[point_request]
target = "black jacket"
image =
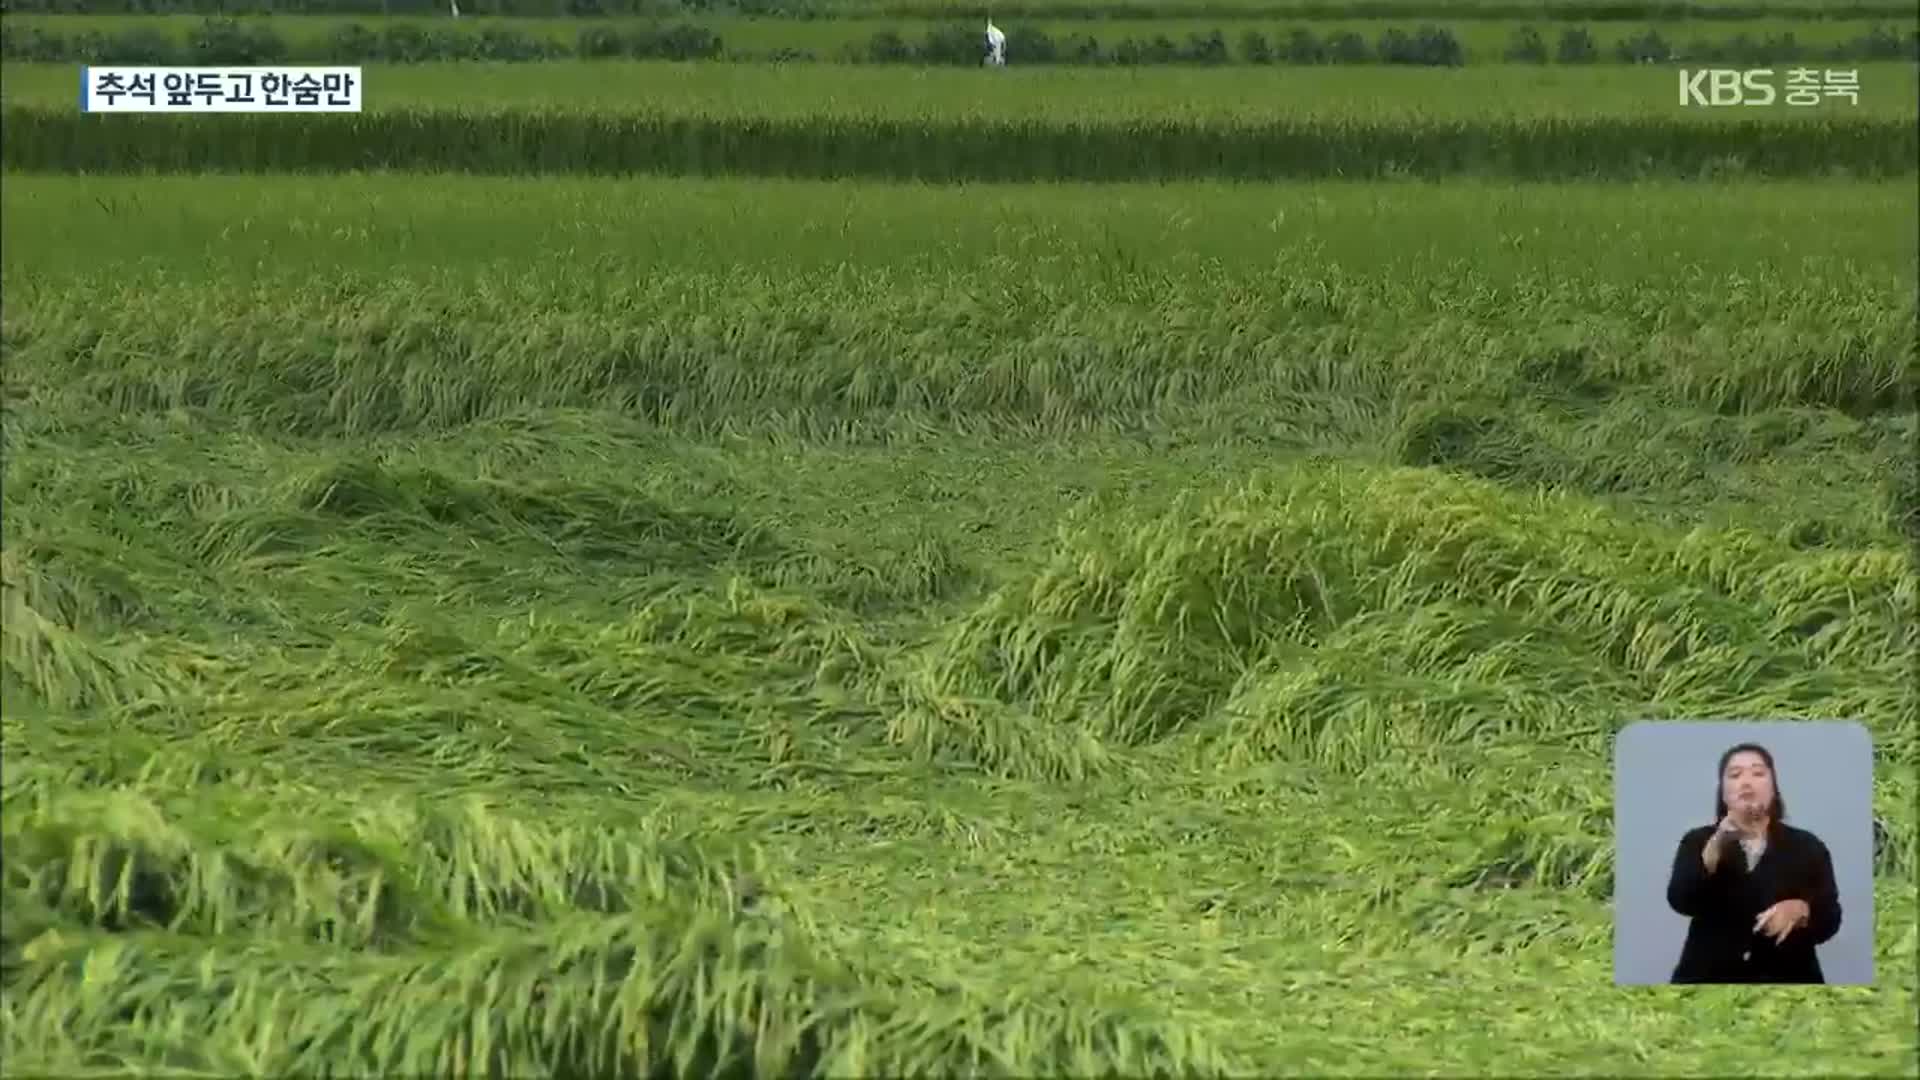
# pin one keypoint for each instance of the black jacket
(1722, 946)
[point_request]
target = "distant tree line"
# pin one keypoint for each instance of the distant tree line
(1038, 10)
(232, 41)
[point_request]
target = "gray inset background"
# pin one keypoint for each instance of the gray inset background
(1663, 785)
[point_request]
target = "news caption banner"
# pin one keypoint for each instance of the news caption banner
(1805, 87)
(220, 89)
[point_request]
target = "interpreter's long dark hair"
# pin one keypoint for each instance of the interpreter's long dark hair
(1776, 812)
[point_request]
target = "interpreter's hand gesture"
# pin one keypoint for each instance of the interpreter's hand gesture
(1723, 840)
(1782, 919)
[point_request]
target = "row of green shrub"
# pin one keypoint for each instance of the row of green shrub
(947, 149)
(230, 41)
(1590, 10)
(1426, 45)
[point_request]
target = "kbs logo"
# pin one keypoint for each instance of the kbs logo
(1720, 87)
(1726, 86)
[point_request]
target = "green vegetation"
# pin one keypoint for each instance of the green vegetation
(161, 39)
(1590, 10)
(1392, 237)
(468, 610)
(1060, 124)
(1169, 96)
(835, 629)
(1240, 324)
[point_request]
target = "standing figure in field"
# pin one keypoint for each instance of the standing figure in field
(996, 46)
(1760, 893)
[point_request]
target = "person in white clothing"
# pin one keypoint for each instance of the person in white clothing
(996, 46)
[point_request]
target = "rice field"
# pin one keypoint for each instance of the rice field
(1125, 41)
(1888, 93)
(575, 623)
(945, 126)
(1317, 10)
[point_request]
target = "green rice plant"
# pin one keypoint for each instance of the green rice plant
(1099, 97)
(710, 121)
(185, 39)
(793, 629)
(500, 901)
(399, 354)
(639, 957)
(522, 142)
(1668, 242)
(1133, 632)
(428, 324)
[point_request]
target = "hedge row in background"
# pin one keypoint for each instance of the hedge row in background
(693, 142)
(1591, 10)
(230, 41)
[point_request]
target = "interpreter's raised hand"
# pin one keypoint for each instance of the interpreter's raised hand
(1723, 839)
